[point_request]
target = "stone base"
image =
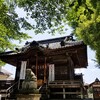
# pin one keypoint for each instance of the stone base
(28, 97)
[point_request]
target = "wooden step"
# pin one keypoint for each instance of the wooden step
(65, 92)
(67, 99)
(70, 99)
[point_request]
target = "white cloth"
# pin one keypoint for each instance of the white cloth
(23, 69)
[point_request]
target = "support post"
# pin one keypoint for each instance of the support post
(17, 76)
(36, 65)
(81, 93)
(45, 70)
(18, 68)
(64, 96)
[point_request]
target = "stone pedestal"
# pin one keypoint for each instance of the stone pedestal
(28, 97)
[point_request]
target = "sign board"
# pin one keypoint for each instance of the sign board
(23, 69)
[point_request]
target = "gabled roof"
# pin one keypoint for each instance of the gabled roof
(95, 82)
(54, 43)
(51, 47)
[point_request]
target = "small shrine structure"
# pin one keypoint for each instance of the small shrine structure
(95, 86)
(54, 62)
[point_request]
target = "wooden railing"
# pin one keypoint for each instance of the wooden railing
(11, 89)
(4, 84)
(66, 89)
(65, 83)
(7, 87)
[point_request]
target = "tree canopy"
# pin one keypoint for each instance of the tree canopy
(52, 15)
(84, 17)
(9, 27)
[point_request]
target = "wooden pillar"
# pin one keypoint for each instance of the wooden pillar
(81, 93)
(93, 88)
(17, 76)
(71, 68)
(45, 70)
(36, 65)
(18, 68)
(64, 95)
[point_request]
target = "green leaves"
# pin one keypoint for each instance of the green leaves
(10, 29)
(46, 14)
(85, 19)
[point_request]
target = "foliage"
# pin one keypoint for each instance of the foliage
(52, 15)
(84, 17)
(47, 15)
(9, 27)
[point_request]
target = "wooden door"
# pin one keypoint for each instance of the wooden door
(61, 72)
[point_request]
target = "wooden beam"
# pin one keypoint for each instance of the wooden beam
(66, 93)
(63, 86)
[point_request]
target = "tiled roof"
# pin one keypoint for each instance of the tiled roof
(50, 43)
(67, 44)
